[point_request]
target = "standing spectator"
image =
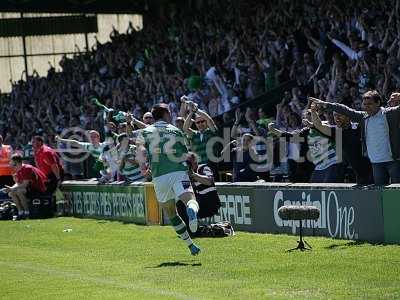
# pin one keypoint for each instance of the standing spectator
(263, 120)
(179, 121)
(129, 167)
(394, 100)
(110, 160)
(48, 161)
(380, 134)
(199, 138)
(148, 118)
(321, 151)
(73, 161)
(297, 171)
(243, 157)
(132, 121)
(350, 135)
(94, 147)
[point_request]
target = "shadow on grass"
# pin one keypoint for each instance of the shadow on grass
(353, 244)
(177, 264)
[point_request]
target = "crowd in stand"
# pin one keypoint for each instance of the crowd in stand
(220, 55)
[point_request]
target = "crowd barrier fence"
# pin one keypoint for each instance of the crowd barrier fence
(348, 211)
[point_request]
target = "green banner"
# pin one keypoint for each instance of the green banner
(391, 209)
(116, 202)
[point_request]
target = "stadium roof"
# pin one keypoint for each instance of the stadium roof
(84, 6)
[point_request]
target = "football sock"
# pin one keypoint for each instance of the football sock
(181, 229)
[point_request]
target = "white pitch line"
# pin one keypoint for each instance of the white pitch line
(96, 280)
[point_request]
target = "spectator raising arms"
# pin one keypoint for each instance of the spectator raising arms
(349, 135)
(199, 138)
(94, 147)
(321, 150)
(380, 134)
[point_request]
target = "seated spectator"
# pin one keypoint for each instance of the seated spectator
(202, 180)
(30, 183)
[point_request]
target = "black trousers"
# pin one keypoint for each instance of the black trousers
(53, 182)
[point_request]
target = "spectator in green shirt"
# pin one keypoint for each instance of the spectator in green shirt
(206, 129)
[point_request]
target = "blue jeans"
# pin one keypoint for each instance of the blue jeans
(385, 171)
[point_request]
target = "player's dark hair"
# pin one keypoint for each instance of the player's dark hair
(159, 110)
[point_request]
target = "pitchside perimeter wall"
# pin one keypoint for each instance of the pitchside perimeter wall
(347, 211)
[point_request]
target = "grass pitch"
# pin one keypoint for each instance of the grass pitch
(110, 260)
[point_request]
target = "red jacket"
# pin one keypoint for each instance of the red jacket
(36, 177)
(45, 157)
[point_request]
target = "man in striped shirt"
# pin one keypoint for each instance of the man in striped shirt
(129, 167)
(202, 180)
(206, 129)
(321, 151)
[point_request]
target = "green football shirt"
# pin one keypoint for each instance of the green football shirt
(198, 142)
(166, 148)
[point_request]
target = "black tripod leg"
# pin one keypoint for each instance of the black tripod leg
(301, 243)
(309, 246)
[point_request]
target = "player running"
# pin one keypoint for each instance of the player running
(167, 152)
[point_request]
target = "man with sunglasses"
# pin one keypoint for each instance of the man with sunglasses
(380, 134)
(148, 118)
(206, 129)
